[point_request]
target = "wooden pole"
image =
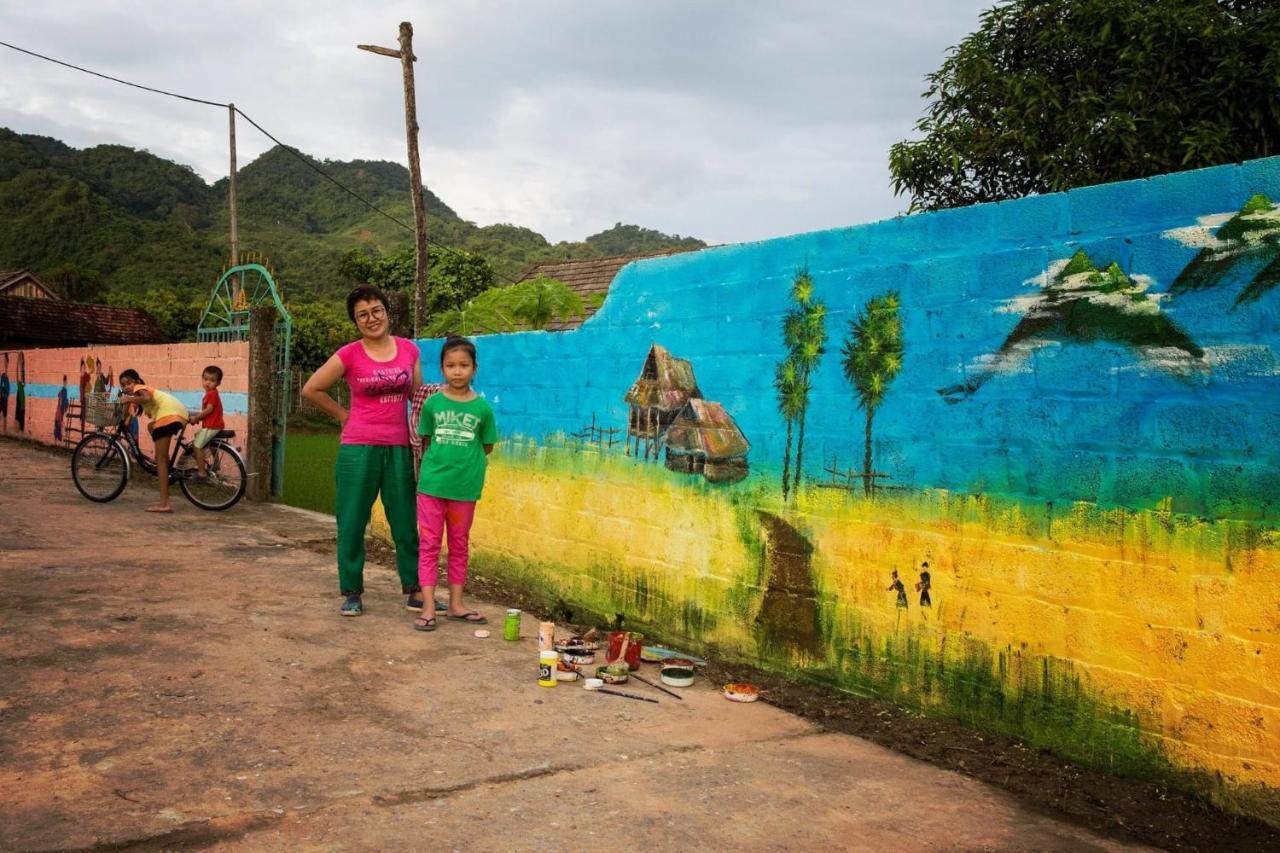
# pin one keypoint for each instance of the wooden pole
(406, 57)
(258, 446)
(415, 176)
(235, 226)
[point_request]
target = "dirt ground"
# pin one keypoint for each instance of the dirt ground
(185, 682)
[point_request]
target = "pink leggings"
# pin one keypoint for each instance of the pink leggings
(433, 516)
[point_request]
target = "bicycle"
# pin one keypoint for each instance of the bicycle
(100, 465)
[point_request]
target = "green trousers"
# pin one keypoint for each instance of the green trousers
(362, 472)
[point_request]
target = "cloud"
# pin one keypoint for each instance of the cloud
(727, 121)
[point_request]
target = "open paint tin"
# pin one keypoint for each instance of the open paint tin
(615, 673)
(578, 658)
(677, 673)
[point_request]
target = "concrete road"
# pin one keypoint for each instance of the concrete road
(185, 681)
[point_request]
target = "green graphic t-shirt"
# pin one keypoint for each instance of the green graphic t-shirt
(453, 466)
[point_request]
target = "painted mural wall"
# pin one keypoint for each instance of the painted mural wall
(1017, 463)
(41, 389)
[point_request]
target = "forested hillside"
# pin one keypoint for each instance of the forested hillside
(113, 224)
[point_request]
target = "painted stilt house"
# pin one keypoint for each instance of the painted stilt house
(663, 388)
(704, 439)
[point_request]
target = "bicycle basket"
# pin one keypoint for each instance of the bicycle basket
(100, 411)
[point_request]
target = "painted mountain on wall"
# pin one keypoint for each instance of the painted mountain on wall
(1249, 238)
(1082, 304)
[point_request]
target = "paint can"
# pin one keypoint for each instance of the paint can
(547, 661)
(546, 636)
(677, 673)
(634, 643)
(511, 628)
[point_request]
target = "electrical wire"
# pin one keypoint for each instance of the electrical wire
(109, 77)
(259, 127)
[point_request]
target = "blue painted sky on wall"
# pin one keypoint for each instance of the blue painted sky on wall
(1109, 421)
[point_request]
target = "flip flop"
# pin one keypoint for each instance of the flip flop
(422, 623)
(466, 617)
(159, 509)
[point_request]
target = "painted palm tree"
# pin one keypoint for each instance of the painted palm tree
(872, 359)
(792, 392)
(812, 344)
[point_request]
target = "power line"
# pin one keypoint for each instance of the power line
(259, 127)
(109, 77)
(322, 172)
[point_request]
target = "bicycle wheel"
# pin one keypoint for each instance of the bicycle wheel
(99, 467)
(225, 477)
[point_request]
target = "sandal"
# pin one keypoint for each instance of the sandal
(423, 623)
(470, 616)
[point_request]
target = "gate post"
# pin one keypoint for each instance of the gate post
(258, 446)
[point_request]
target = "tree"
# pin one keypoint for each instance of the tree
(75, 283)
(804, 332)
(319, 328)
(792, 393)
(872, 359)
(1052, 94)
(176, 312)
(455, 275)
(531, 304)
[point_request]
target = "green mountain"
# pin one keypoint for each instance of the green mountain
(1250, 237)
(1084, 305)
(111, 222)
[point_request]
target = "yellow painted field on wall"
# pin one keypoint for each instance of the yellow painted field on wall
(1140, 641)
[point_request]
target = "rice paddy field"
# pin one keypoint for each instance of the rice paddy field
(308, 469)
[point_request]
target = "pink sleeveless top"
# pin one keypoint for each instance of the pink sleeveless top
(379, 394)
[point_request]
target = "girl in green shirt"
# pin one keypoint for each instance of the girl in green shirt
(458, 431)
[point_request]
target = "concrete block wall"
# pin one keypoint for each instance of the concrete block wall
(1082, 442)
(175, 368)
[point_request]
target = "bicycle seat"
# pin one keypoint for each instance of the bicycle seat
(226, 433)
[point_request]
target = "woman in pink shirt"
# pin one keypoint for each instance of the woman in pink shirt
(382, 372)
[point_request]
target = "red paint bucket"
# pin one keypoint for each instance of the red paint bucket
(633, 648)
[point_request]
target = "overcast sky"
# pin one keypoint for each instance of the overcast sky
(729, 120)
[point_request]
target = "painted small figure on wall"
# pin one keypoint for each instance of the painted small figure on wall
(20, 401)
(898, 587)
(4, 397)
(924, 584)
(61, 412)
(85, 379)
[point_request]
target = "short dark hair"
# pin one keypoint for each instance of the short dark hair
(132, 375)
(215, 370)
(454, 342)
(365, 293)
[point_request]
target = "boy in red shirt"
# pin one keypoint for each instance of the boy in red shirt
(210, 415)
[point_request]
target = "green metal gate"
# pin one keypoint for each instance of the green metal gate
(226, 318)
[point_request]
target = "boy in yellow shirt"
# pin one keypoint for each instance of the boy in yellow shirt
(168, 418)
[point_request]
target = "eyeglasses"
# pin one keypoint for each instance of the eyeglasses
(371, 314)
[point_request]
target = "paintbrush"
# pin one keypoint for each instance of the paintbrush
(623, 694)
(644, 680)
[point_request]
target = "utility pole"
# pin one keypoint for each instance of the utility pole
(235, 228)
(406, 57)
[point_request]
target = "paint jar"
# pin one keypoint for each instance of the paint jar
(546, 636)
(636, 641)
(511, 628)
(547, 661)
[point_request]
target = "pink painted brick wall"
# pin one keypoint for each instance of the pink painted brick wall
(175, 368)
